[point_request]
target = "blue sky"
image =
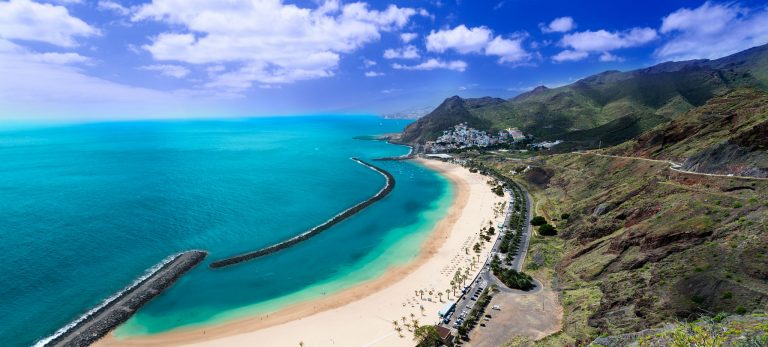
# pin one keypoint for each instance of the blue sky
(102, 59)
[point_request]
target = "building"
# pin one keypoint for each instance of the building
(462, 136)
(445, 335)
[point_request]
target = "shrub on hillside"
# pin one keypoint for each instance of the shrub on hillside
(547, 230)
(538, 220)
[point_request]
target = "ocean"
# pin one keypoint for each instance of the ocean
(85, 209)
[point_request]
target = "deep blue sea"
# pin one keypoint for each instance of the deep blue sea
(85, 209)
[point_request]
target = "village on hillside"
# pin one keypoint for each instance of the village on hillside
(462, 136)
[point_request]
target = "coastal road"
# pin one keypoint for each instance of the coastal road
(485, 277)
(522, 251)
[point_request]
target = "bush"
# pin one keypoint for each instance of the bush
(547, 230)
(565, 216)
(538, 220)
(514, 279)
(741, 310)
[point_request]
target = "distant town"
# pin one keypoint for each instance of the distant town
(462, 136)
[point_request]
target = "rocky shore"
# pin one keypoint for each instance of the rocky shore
(102, 320)
(389, 185)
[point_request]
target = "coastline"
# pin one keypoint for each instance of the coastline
(369, 307)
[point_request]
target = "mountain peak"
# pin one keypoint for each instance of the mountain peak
(531, 92)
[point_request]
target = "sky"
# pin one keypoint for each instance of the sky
(157, 59)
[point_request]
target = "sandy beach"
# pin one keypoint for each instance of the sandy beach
(363, 315)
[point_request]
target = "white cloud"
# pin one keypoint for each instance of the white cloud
(478, 40)
(712, 31)
(461, 39)
(602, 40)
(607, 57)
(286, 44)
(408, 37)
(509, 51)
(368, 63)
(706, 19)
(569, 55)
(169, 70)
(558, 25)
(107, 5)
(373, 74)
(28, 20)
(432, 64)
(580, 45)
(66, 2)
(46, 85)
(58, 58)
(407, 52)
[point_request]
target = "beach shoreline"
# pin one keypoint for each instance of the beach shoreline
(372, 305)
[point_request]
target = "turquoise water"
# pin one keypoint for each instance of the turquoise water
(85, 209)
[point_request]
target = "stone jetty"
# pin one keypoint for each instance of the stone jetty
(388, 186)
(118, 308)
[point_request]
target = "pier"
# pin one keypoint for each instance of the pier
(117, 309)
(388, 186)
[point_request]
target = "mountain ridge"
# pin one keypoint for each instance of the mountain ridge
(609, 107)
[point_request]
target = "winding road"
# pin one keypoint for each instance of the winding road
(672, 166)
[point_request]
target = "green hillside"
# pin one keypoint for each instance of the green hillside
(641, 245)
(610, 107)
(728, 135)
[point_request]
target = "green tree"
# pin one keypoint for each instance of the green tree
(538, 220)
(547, 230)
(426, 336)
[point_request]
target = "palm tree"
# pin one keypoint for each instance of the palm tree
(415, 324)
(453, 285)
(440, 295)
(421, 294)
(394, 322)
(403, 319)
(447, 294)
(421, 307)
(399, 331)
(301, 343)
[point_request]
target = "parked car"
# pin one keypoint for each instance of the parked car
(496, 307)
